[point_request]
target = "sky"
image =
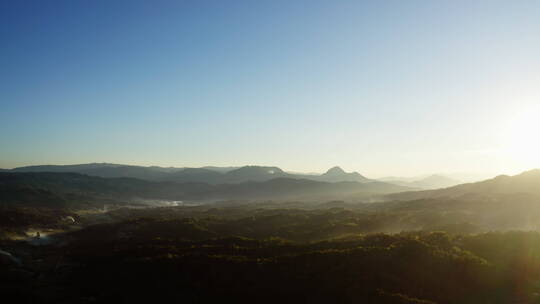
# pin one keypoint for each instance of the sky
(384, 88)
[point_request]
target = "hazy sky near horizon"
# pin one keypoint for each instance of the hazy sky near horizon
(380, 87)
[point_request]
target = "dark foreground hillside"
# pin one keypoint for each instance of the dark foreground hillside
(246, 254)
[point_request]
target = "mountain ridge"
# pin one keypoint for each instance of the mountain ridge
(434, 181)
(15, 186)
(207, 174)
(525, 182)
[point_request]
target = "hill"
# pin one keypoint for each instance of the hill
(525, 183)
(15, 187)
(336, 174)
(254, 173)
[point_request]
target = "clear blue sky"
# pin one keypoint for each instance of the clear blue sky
(382, 87)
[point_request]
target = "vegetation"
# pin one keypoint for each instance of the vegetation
(476, 247)
(264, 253)
(18, 187)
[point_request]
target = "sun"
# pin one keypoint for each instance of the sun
(522, 137)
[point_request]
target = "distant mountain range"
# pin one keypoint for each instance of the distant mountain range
(64, 187)
(434, 181)
(526, 183)
(515, 197)
(209, 174)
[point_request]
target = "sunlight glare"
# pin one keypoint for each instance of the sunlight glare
(522, 138)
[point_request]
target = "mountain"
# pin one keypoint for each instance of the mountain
(525, 183)
(254, 173)
(209, 174)
(103, 170)
(65, 168)
(201, 175)
(152, 173)
(165, 169)
(262, 173)
(434, 181)
(94, 188)
(336, 174)
(65, 187)
(220, 169)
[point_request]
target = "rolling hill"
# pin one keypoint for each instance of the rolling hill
(15, 187)
(525, 183)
